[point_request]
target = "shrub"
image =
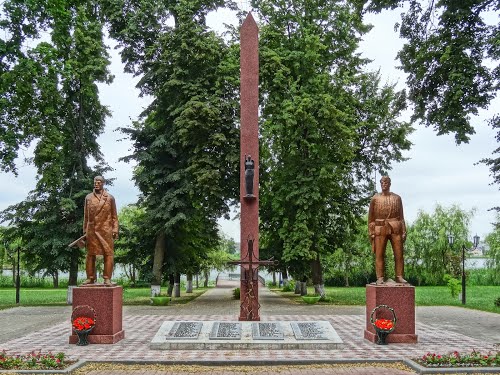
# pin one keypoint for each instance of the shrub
(236, 293)
(289, 287)
(453, 285)
(33, 361)
(497, 302)
(455, 359)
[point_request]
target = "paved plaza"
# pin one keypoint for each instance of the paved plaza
(439, 329)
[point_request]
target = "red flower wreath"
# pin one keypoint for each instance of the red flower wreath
(83, 322)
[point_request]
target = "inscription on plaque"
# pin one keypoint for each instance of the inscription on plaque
(267, 331)
(226, 331)
(185, 330)
(308, 331)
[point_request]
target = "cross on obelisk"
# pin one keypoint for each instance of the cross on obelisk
(249, 167)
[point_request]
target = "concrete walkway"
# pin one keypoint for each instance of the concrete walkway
(440, 330)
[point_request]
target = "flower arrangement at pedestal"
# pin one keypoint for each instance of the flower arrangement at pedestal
(82, 325)
(383, 326)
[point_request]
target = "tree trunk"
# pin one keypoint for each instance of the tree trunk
(205, 283)
(284, 275)
(171, 282)
(73, 268)
(132, 275)
(197, 281)
(159, 256)
(189, 283)
(55, 279)
(303, 288)
(317, 277)
(14, 268)
(298, 287)
(274, 279)
(177, 285)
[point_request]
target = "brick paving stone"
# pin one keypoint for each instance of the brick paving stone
(141, 324)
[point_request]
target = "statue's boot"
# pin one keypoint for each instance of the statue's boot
(400, 280)
(380, 281)
(108, 269)
(90, 270)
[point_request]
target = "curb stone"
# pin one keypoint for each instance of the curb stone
(67, 370)
(408, 362)
(450, 370)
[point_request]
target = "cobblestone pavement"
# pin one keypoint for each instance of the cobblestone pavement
(436, 332)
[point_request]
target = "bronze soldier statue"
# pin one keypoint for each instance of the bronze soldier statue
(386, 223)
(100, 228)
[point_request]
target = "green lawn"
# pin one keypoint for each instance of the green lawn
(57, 297)
(478, 297)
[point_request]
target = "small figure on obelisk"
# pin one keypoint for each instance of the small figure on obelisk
(100, 228)
(249, 174)
(386, 223)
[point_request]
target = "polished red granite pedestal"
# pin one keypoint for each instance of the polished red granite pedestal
(401, 298)
(107, 303)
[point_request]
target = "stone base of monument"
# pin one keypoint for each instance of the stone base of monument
(107, 303)
(205, 335)
(400, 297)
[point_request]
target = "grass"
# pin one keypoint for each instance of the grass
(478, 297)
(57, 297)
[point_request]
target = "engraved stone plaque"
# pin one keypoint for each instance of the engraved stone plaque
(185, 330)
(267, 331)
(308, 331)
(226, 331)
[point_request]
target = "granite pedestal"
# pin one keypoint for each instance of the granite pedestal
(400, 297)
(107, 302)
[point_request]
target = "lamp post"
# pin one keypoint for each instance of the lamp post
(475, 242)
(18, 277)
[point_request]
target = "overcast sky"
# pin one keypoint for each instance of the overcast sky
(438, 171)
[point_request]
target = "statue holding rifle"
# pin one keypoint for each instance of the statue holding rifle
(100, 229)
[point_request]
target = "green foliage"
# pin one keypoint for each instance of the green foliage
(289, 287)
(481, 276)
(133, 246)
(455, 359)
(52, 59)
(186, 141)
(428, 256)
(451, 60)
(454, 285)
(34, 361)
(352, 264)
(236, 293)
(493, 262)
(327, 125)
(497, 302)
(271, 284)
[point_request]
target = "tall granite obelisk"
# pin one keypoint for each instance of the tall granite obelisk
(249, 168)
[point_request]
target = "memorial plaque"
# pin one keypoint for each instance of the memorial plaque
(267, 331)
(226, 331)
(185, 330)
(308, 331)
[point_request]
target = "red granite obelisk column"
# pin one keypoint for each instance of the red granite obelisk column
(249, 148)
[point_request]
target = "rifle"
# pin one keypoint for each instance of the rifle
(80, 242)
